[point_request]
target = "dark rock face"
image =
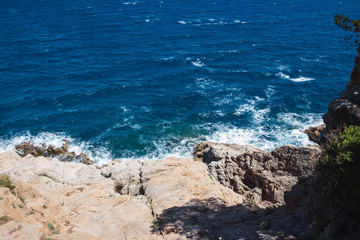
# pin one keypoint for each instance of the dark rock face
(261, 176)
(355, 74)
(62, 153)
(346, 109)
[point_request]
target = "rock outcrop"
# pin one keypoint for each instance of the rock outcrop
(45, 150)
(315, 133)
(355, 73)
(123, 200)
(346, 109)
(260, 176)
(235, 192)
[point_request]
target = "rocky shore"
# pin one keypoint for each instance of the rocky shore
(226, 191)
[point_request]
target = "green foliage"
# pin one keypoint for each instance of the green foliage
(265, 225)
(341, 163)
(349, 25)
(51, 226)
(344, 152)
(5, 182)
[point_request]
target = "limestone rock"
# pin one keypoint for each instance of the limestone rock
(126, 176)
(260, 176)
(174, 198)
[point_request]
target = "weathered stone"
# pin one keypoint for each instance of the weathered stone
(260, 176)
(62, 152)
(342, 112)
(126, 176)
(315, 133)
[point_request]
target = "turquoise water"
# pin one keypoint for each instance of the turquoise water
(148, 79)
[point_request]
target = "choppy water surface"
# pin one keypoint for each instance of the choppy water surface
(147, 79)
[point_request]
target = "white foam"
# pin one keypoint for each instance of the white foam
(298, 79)
(302, 79)
(131, 3)
(270, 91)
(238, 21)
(267, 139)
(182, 22)
(99, 154)
(283, 67)
(257, 114)
(198, 63)
(282, 75)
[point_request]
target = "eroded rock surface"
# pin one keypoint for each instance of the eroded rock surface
(237, 192)
(260, 176)
(45, 150)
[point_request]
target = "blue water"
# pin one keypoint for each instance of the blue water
(148, 79)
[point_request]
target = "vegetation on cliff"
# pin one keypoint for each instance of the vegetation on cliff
(352, 26)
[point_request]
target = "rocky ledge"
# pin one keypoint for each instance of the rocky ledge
(227, 191)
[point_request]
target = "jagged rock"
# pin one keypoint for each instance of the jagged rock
(260, 176)
(26, 148)
(62, 152)
(355, 73)
(85, 202)
(343, 111)
(315, 133)
(346, 109)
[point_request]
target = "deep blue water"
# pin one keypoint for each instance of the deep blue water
(145, 79)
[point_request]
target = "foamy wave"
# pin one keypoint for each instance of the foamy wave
(211, 21)
(198, 63)
(100, 155)
(258, 115)
(265, 138)
(131, 3)
(298, 79)
(302, 79)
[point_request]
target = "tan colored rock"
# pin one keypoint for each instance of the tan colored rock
(314, 133)
(126, 176)
(74, 198)
(165, 199)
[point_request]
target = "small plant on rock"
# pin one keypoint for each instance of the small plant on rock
(5, 182)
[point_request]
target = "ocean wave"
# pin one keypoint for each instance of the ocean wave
(99, 154)
(198, 63)
(131, 3)
(211, 22)
(258, 114)
(298, 79)
(268, 138)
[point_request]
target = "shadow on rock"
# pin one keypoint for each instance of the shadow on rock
(213, 219)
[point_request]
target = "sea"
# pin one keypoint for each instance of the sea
(148, 79)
